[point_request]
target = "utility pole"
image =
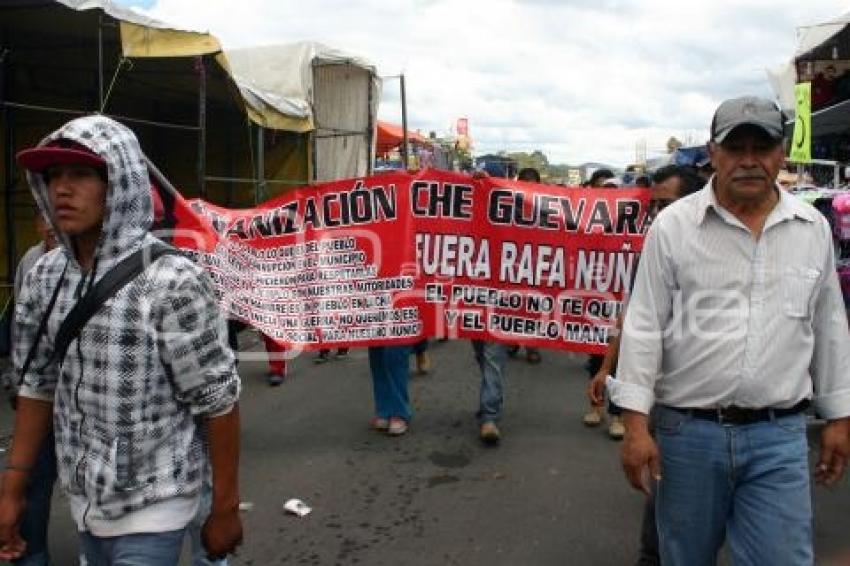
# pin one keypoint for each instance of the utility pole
(405, 151)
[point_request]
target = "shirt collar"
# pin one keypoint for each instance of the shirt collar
(705, 200)
(791, 206)
(787, 208)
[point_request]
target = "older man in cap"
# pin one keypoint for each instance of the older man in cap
(735, 326)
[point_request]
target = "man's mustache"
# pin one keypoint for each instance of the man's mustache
(749, 175)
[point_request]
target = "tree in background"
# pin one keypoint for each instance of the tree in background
(536, 159)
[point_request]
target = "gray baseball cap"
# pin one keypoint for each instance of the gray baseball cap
(751, 110)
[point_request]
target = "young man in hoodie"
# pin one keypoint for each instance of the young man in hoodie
(147, 391)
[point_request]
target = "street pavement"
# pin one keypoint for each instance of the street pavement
(551, 494)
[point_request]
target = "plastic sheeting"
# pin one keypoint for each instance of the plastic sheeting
(690, 156)
(142, 36)
(782, 80)
(812, 42)
(813, 37)
(276, 83)
(116, 11)
(280, 78)
(344, 120)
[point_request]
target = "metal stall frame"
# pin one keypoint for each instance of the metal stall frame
(9, 108)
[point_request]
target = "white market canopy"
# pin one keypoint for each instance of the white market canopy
(276, 83)
(823, 41)
(308, 86)
(281, 79)
(822, 37)
(142, 36)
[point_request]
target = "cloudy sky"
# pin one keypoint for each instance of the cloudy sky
(581, 80)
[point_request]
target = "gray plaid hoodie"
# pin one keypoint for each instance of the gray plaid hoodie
(151, 360)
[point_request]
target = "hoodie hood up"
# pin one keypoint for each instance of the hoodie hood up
(128, 212)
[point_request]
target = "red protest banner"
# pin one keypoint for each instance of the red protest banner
(399, 257)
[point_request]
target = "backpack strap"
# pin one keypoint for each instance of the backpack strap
(128, 269)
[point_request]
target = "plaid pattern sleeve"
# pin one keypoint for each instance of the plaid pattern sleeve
(147, 362)
(38, 284)
(192, 340)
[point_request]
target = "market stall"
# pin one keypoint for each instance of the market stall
(234, 128)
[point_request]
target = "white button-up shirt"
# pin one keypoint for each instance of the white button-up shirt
(718, 318)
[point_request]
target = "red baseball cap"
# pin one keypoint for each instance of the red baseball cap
(59, 152)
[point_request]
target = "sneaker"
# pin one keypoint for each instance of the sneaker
(379, 423)
(397, 426)
(533, 357)
(423, 363)
(593, 417)
(275, 379)
(617, 429)
(489, 433)
(322, 357)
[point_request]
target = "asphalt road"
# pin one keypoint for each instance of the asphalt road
(551, 494)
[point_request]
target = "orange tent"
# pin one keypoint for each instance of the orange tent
(390, 136)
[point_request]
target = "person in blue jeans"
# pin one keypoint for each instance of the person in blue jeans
(390, 369)
(735, 326)
(492, 358)
(669, 184)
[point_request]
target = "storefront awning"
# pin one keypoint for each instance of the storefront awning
(390, 136)
(832, 120)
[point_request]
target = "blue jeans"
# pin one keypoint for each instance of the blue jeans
(146, 549)
(745, 483)
(33, 526)
(390, 367)
(492, 358)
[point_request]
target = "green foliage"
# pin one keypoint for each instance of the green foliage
(536, 159)
(549, 172)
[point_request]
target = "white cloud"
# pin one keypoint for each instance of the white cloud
(582, 80)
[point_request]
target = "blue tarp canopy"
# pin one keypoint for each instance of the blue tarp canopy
(693, 156)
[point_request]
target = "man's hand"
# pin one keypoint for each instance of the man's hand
(834, 452)
(639, 454)
(12, 546)
(596, 389)
(32, 424)
(222, 533)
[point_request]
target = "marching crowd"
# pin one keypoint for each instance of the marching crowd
(126, 385)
